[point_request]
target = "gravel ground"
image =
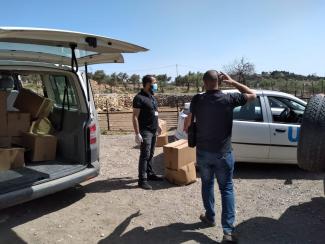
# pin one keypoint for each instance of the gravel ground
(275, 204)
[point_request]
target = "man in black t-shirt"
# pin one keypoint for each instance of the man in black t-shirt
(213, 114)
(145, 123)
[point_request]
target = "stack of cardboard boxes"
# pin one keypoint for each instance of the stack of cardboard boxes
(162, 139)
(180, 163)
(11, 125)
(15, 127)
(40, 147)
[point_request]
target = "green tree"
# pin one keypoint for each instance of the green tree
(163, 79)
(134, 79)
(123, 77)
(99, 76)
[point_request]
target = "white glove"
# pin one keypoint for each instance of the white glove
(138, 139)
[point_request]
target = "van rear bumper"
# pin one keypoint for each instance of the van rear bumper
(47, 188)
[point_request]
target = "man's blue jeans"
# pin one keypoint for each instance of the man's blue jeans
(221, 166)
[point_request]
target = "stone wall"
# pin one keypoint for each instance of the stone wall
(119, 102)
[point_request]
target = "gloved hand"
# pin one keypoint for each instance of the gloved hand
(138, 139)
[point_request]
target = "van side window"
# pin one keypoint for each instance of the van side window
(33, 82)
(59, 84)
(250, 112)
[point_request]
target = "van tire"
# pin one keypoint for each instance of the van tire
(311, 145)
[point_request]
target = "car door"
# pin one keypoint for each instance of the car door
(284, 134)
(250, 136)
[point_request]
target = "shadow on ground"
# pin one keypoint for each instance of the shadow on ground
(174, 233)
(126, 183)
(285, 172)
(23, 213)
(304, 223)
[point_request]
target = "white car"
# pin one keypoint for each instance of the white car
(265, 130)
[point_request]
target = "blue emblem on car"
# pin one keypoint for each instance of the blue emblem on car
(290, 134)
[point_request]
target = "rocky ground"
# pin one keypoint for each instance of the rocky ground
(275, 204)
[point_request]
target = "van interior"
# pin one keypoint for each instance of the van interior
(69, 119)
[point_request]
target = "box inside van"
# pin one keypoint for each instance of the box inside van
(47, 114)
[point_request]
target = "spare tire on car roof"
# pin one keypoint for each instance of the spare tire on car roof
(311, 145)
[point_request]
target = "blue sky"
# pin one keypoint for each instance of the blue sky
(196, 35)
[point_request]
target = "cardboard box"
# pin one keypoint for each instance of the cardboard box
(41, 127)
(178, 154)
(11, 158)
(16, 141)
(162, 140)
(182, 176)
(18, 123)
(3, 113)
(30, 102)
(163, 126)
(40, 147)
(5, 141)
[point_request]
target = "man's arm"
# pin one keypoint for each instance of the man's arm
(135, 116)
(249, 93)
(187, 122)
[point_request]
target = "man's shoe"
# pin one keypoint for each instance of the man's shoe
(205, 220)
(144, 185)
(154, 177)
(229, 238)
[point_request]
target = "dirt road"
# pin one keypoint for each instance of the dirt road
(275, 204)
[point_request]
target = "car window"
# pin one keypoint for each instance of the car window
(58, 84)
(279, 104)
(252, 111)
(33, 82)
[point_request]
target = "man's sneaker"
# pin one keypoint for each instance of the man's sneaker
(205, 220)
(229, 238)
(144, 185)
(154, 177)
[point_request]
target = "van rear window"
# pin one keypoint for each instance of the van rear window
(59, 84)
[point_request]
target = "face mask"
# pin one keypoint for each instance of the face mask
(154, 87)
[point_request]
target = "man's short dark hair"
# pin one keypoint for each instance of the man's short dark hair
(210, 76)
(146, 79)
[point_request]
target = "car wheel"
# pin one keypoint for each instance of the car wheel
(311, 145)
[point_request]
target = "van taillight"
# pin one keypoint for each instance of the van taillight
(92, 134)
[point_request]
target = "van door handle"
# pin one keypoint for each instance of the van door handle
(280, 130)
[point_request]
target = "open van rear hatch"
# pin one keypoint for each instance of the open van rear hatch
(61, 47)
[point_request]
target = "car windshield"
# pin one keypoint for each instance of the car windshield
(59, 51)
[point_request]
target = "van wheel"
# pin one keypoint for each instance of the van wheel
(311, 145)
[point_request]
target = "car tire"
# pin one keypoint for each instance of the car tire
(311, 145)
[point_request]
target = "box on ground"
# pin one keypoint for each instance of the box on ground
(3, 113)
(11, 158)
(39, 147)
(178, 153)
(5, 141)
(18, 123)
(163, 126)
(162, 140)
(182, 176)
(30, 102)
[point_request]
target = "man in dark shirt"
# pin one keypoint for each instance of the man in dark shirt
(213, 114)
(145, 123)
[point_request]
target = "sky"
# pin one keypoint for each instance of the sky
(194, 35)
